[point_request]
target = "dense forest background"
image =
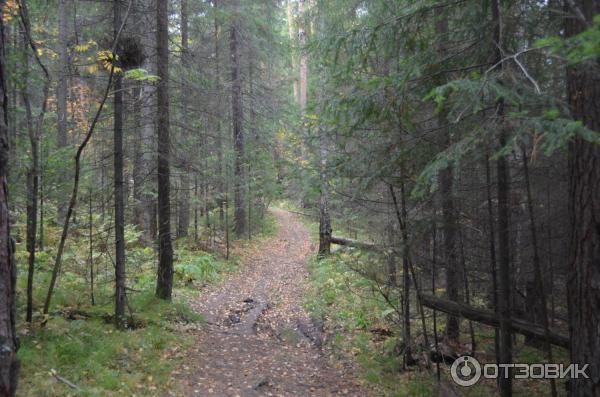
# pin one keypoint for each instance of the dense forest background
(445, 154)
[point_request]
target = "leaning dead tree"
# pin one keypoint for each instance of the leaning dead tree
(491, 318)
(468, 312)
(355, 244)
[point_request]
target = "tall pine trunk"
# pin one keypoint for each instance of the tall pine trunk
(145, 208)
(292, 36)
(504, 279)
(239, 217)
(446, 191)
(408, 359)
(540, 293)
(303, 55)
(32, 189)
(164, 282)
(183, 207)
(218, 130)
(118, 186)
(62, 90)
(324, 218)
(9, 365)
(583, 94)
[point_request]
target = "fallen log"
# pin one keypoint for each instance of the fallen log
(354, 243)
(304, 214)
(490, 318)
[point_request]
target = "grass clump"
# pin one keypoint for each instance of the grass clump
(100, 360)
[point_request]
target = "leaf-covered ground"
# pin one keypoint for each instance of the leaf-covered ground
(258, 339)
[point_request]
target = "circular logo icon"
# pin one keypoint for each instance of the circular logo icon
(465, 371)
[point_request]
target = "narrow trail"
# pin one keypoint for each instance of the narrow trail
(258, 339)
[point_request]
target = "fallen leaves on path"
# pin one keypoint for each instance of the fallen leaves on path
(258, 339)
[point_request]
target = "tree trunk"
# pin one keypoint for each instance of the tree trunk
(239, 217)
(9, 365)
(446, 193)
(12, 37)
(63, 75)
(490, 318)
(355, 243)
(504, 279)
(118, 186)
(303, 56)
(34, 132)
(292, 35)
(402, 216)
(146, 206)
(218, 125)
(138, 152)
(62, 90)
(433, 276)
(183, 206)
(492, 245)
(91, 247)
(540, 294)
(32, 191)
(41, 205)
(408, 359)
(164, 282)
(324, 218)
(467, 290)
(583, 94)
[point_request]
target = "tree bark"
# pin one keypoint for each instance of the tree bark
(32, 188)
(164, 283)
(62, 88)
(290, 23)
(218, 125)
(403, 220)
(303, 56)
(446, 192)
(34, 132)
(239, 218)
(145, 208)
(324, 218)
(540, 294)
(492, 246)
(504, 280)
(91, 248)
(183, 206)
(118, 185)
(9, 365)
(583, 94)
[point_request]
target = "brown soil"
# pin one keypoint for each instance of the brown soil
(258, 339)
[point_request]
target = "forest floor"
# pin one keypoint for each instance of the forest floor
(258, 340)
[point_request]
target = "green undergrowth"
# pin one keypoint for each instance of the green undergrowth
(356, 325)
(360, 326)
(78, 352)
(99, 360)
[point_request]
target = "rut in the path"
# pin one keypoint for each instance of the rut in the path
(258, 340)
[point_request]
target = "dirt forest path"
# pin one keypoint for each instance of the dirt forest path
(258, 339)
